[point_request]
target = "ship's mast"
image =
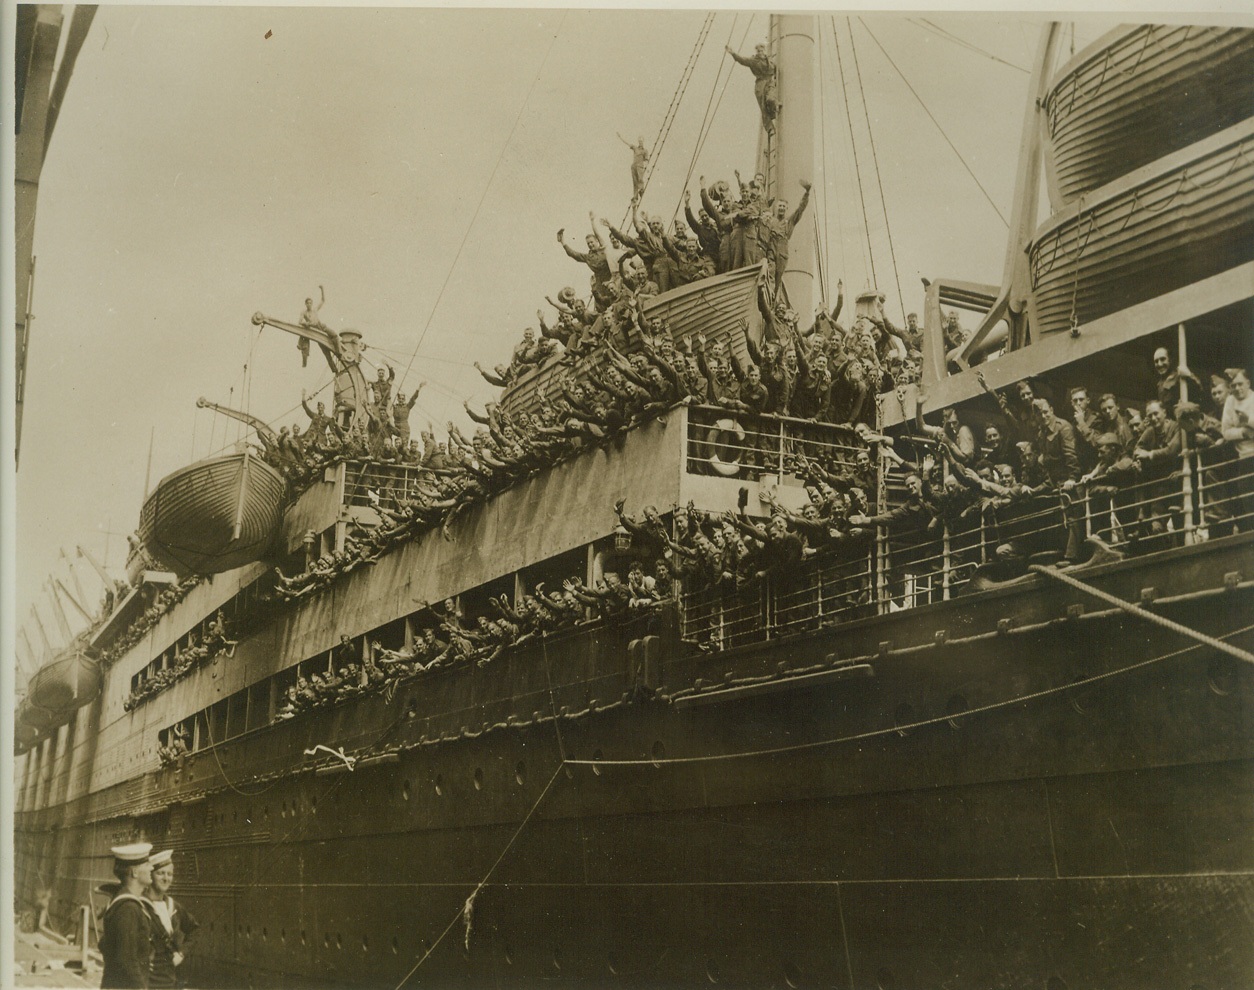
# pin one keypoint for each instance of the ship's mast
(788, 154)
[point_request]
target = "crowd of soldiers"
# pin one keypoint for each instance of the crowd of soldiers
(199, 648)
(450, 638)
(138, 628)
(1025, 478)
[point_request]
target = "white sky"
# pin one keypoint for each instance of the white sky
(200, 172)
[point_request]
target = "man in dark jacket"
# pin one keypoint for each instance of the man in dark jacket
(126, 942)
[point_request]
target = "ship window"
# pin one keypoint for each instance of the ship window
(712, 971)
(478, 778)
(792, 975)
(520, 772)
(551, 572)
(396, 945)
(475, 603)
(237, 714)
(439, 784)
(259, 703)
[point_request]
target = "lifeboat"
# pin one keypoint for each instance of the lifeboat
(56, 691)
(1142, 92)
(717, 307)
(214, 515)
(1183, 219)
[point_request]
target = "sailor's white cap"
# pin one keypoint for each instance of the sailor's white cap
(133, 854)
(163, 858)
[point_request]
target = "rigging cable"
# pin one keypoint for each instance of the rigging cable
(707, 118)
(836, 197)
(940, 32)
(974, 177)
(479, 206)
(888, 230)
(705, 135)
(857, 172)
(676, 99)
(822, 245)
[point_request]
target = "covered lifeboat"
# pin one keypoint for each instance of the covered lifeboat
(215, 515)
(1141, 92)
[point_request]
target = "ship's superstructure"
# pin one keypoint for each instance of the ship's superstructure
(1010, 746)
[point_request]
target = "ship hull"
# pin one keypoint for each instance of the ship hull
(1077, 809)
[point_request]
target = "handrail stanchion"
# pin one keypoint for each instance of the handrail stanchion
(1186, 480)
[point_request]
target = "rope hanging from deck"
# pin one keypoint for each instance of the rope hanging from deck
(1140, 613)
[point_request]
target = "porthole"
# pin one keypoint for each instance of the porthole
(597, 755)
(659, 752)
(405, 790)
(365, 943)
(396, 945)
(956, 705)
(712, 971)
(520, 773)
(1221, 672)
(478, 778)
(792, 975)
(557, 959)
(439, 784)
(885, 980)
(903, 715)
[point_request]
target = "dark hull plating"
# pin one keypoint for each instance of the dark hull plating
(1089, 820)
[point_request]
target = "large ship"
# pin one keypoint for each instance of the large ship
(395, 742)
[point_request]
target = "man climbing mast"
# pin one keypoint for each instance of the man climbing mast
(764, 87)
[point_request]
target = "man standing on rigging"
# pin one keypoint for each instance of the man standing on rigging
(763, 70)
(639, 162)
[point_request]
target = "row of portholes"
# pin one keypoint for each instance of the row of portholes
(328, 939)
(713, 972)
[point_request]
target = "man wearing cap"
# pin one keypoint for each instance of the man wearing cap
(126, 942)
(174, 925)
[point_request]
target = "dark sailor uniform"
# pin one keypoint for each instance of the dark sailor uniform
(126, 942)
(168, 939)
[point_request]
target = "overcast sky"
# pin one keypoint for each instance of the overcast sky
(201, 171)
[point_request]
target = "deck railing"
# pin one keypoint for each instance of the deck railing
(737, 445)
(1208, 496)
(388, 481)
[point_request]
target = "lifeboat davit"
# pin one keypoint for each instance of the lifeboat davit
(214, 515)
(719, 307)
(1182, 219)
(1141, 92)
(56, 691)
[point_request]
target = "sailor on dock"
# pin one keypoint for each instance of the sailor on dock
(126, 942)
(174, 925)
